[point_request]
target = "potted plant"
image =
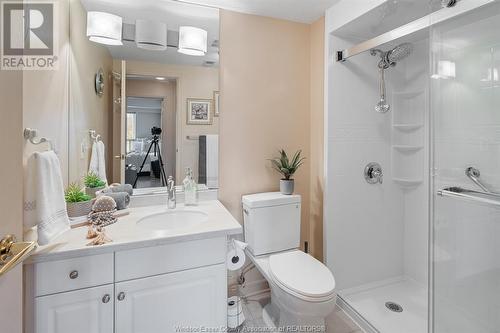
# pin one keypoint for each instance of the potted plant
(287, 168)
(93, 184)
(77, 202)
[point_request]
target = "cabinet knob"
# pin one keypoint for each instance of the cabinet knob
(73, 275)
(121, 296)
(106, 298)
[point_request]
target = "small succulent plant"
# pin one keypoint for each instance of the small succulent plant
(74, 193)
(287, 167)
(92, 180)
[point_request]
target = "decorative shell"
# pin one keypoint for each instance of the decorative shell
(104, 204)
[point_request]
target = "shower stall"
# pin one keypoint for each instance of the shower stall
(412, 203)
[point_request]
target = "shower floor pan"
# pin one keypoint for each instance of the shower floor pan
(391, 306)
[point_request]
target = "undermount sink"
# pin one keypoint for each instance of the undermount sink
(174, 219)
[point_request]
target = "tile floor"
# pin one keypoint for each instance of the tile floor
(337, 322)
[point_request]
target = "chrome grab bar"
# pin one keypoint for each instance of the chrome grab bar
(470, 195)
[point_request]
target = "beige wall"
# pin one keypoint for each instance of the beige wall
(317, 33)
(272, 98)
(39, 100)
(45, 97)
(167, 91)
(87, 109)
(11, 199)
(192, 82)
(265, 106)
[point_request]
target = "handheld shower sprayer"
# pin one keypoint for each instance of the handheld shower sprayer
(388, 59)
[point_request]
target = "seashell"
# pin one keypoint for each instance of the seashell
(91, 233)
(104, 204)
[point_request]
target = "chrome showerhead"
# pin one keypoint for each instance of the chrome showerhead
(391, 57)
(398, 53)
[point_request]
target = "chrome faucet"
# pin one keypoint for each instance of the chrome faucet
(171, 203)
(373, 173)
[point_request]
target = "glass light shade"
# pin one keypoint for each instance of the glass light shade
(151, 35)
(104, 28)
(192, 41)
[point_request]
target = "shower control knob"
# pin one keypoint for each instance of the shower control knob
(373, 173)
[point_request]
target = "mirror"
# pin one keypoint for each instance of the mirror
(144, 93)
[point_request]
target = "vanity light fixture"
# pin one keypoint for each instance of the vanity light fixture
(151, 35)
(160, 78)
(104, 28)
(192, 41)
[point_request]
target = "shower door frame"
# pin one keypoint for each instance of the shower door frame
(428, 22)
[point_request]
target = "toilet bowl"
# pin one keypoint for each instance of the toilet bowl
(302, 288)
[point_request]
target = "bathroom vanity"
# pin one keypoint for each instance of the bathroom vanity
(164, 270)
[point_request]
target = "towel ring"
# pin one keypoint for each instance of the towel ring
(31, 134)
(93, 135)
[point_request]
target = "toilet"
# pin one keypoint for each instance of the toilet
(302, 288)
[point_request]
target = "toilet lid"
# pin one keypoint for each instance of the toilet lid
(302, 274)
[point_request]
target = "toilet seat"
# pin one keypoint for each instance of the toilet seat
(301, 275)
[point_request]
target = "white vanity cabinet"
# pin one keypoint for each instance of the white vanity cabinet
(81, 311)
(168, 302)
(156, 289)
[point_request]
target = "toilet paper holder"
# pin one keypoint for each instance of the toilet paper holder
(236, 254)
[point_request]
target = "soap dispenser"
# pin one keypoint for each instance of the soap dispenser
(190, 189)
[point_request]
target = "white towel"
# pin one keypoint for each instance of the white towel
(213, 161)
(44, 205)
(98, 160)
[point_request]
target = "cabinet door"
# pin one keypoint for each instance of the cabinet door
(82, 311)
(165, 303)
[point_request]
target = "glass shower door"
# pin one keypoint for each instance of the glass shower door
(465, 111)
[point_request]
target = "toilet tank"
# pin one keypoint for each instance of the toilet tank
(271, 222)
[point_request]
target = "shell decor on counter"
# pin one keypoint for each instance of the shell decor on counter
(101, 216)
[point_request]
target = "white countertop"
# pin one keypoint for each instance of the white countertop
(127, 234)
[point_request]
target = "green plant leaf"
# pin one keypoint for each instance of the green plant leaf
(74, 193)
(285, 166)
(92, 180)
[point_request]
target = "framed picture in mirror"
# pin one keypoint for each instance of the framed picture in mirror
(199, 111)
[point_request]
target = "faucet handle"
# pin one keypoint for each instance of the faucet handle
(373, 173)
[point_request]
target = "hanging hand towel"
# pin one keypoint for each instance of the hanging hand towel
(212, 161)
(44, 205)
(98, 160)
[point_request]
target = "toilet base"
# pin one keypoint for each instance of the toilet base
(274, 317)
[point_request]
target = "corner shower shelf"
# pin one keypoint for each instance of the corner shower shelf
(407, 127)
(405, 148)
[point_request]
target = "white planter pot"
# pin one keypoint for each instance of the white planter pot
(286, 186)
(76, 209)
(92, 190)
